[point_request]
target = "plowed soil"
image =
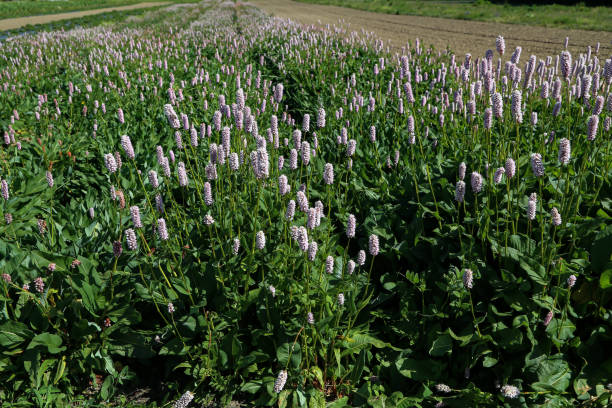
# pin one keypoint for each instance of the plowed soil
(461, 36)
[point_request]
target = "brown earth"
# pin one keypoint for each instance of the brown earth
(461, 36)
(13, 23)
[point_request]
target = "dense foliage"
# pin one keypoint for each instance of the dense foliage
(239, 208)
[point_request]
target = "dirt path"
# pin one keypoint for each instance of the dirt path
(13, 23)
(460, 35)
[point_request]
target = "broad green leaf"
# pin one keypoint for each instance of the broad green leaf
(354, 342)
(489, 362)
(44, 366)
(581, 386)
(465, 339)
(408, 402)
(534, 270)
(339, 403)
(560, 329)
(288, 351)
(301, 397)
(51, 342)
(88, 294)
(441, 346)
(13, 333)
(601, 250)
(605, 280)
(251, 387)
(355, 375)
(553, 374)
(419, 370)
(317, 399)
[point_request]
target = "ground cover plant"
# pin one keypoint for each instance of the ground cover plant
(578, 16)
(234, 209)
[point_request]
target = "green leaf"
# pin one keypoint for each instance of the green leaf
(251, 358)
(553, 374)
(91, 227)
(289, 351)
(355, 342)
(465, 339)
(129, 343)
(534, 270)
(408, 402)
(180, 286)
(358, 368)
(581, 386)
(48, 363)
(125, 314)
(339, 403)
(251, 387)
(317, 399)
(13, 333)
(40, 260)
(301, 397)
(601, 249)
(441, 346)
(561, 330)
(51, 342)
(419, 370)
(605, 280)
(338, 266)
(508, 338)
(61, 367)
(489, 362)
(88, 294)
(107, 388)
(318, 375)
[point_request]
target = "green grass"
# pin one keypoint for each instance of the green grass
(24, 8)
(110, 17)
(578, 17)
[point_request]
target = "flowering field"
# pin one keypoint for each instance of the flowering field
(224, 208)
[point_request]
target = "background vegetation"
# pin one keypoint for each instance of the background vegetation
(579, 16)
(23, 8)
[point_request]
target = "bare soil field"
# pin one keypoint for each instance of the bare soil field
(13, 23)
(460, 35)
